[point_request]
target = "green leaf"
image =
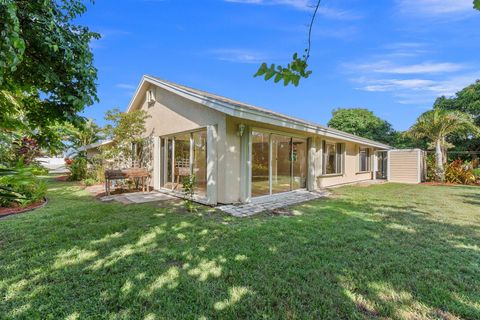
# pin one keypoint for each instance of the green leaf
(296, 81)
(263, 68)
(270, 72)
(476, 4)
(292, 73)
(278, 77)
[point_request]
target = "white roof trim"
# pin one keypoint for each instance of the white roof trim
(94, 145)
(252, 113)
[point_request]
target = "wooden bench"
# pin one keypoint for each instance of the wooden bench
(122, 174)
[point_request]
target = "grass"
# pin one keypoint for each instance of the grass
(384, 251)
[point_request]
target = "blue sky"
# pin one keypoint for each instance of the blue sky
(393, 57)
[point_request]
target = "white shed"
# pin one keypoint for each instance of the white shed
(406, 166)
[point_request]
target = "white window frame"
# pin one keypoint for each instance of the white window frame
(339, 158)
(364, 151)
(164, 141)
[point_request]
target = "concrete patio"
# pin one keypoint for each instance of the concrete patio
(257, 205)
(138, 197)
(272, 202)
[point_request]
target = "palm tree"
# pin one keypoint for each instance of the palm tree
(437, 125)
(88, 134)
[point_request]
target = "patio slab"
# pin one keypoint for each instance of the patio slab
(260, 204)
(138, 197)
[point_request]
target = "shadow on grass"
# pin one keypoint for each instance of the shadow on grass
(473, 199)
(342, 258)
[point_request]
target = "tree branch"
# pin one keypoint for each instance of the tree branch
(296, 69)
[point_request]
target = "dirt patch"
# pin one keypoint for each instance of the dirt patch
(282, 212)
(445, 315)
(366, 310)
(18, 209)
(62, 178)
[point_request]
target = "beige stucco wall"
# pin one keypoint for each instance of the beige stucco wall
(351, 172)
(232, 163)
(351, 162)
(171, 114)
(404, 166)
(90, 153)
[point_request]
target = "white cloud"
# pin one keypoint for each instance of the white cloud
(307, 5)
(239, 55)
(394, 84)
(435, 7)
(400, 70)
(405, 49)
(419, 68)
(298, 4)
(417, 90)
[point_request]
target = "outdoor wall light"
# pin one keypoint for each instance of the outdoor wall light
(241, 129)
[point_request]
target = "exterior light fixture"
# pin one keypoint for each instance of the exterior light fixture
(241, 130)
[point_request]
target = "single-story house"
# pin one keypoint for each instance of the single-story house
(238, 151)
(93, 149)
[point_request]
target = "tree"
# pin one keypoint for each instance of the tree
(127, 130)
(84, 135)
(46, 65)
(363, 123)
(437, 125)
(297, 68)
(466, 100)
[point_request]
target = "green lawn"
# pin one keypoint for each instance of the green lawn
(406, 252)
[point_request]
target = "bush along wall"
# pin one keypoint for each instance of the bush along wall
(457, 171)
(21, 186)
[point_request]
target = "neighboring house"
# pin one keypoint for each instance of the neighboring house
(93, 149)
(238, 151)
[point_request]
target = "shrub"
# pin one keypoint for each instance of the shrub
(27, 150)
(89, 182)
(97, 170)
(20, 185)
(459, 172)
(476, 172)
(431, 168)
(188, 187)
(78, 168)
(38, 170)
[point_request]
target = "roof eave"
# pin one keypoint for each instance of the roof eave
(254, 115)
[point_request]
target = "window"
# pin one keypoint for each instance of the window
(279, 163)
(364, 157)
(260, 164)
(332, 158)
(200, 162)
(185, 154)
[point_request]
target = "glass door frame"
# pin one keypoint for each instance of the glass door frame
(165, 159)
(270, 133)
(381, 173)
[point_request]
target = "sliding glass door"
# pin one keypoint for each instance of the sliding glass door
(299, 163)
(199, 167)
(183, 155)
(279, 163)
(260, 163)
